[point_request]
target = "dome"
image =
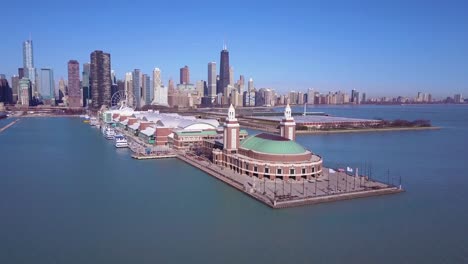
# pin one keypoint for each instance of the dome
(272, 144)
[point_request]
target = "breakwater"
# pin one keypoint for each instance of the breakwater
(9, 125)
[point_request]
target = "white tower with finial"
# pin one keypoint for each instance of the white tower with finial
(231, 131)
(287, 125)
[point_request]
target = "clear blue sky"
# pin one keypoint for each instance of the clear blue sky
(380, 47)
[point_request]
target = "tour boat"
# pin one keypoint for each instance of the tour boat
(120, 141)
(109, 133)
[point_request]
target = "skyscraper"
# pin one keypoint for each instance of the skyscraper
(184, 75)
(62, 87)
(85, 84)
(147, 93)
(47, 84)
(5, 90)
(212, 79)
(25, 92)
(241, 84)
(160, 92)
(28, 63)
(171, 88)
(231, 75)
(20, 73)
(15, 86)
(250, 85)
(136, 77)
(223, 71)
(74, 92)
(100, 78)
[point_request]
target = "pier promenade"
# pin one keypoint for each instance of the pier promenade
(283, 194)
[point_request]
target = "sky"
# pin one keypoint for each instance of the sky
(383, 48)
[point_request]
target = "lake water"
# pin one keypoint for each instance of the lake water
(68, 196)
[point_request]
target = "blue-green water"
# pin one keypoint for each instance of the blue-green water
(68, 196)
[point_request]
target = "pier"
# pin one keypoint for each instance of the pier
(278, 194)
(9, 125)
(153, 156)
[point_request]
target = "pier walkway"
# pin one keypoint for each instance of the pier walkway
(283, 194)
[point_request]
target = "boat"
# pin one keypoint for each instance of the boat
(93, 121)
(120, 141)
(109, 133)
(3, 115)
(86, 121)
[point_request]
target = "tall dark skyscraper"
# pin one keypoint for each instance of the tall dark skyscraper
(74, 93)
(223, 71)
(100, 78)
(85, 83)
(20, 73)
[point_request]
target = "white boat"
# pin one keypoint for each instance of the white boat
(93, 121)
(120, 141)
(109, 133)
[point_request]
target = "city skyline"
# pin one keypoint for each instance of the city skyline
(385, 49)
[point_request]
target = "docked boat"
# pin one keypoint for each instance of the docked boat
(120, 141)
(93, 121)
(109, 133)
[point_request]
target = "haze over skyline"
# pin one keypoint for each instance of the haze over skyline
(393, 48)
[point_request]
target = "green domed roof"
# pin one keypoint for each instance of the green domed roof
(272, 144)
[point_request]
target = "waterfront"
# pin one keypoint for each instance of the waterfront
(81, 200)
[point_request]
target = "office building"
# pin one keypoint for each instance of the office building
(74, 91)
(212, 79)
(223, 71)
(47, 85)
(136, 85)
(184, 75)
(100, 79)
(85, 84)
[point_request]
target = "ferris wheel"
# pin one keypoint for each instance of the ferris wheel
(121, 100)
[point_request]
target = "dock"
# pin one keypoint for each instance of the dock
(279, 194)
(9, 125)
(153, 156)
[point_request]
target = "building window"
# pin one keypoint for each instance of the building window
(303, 170)
(246, 166)
(267, 170)
(279, 171)
(313, 169)
(255, 168)
(292, 171)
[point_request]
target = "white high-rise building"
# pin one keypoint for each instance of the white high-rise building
(250, 85)
(160, 92)
(28, 65)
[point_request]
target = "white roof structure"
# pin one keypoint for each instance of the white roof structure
(135, 126)
(149, 131)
